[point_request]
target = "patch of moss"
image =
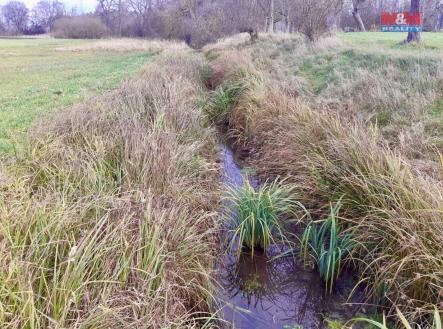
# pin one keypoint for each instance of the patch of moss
(382, 119)
(252, 283)
(436, 109)
(434, 122)
(319, 71)
(325, 69)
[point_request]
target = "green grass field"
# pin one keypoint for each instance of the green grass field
(394, 85)
(36, 79)
(374, 40)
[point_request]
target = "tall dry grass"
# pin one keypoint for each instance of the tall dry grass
(395, 210)
(107, 215)
(238, 41)
(391, 88)
(125, 45)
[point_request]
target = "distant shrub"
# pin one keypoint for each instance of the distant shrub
(34, 30)
(82, 27)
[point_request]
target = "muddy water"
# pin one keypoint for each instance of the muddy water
(262, 292)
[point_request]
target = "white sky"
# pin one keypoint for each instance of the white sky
(81, 5)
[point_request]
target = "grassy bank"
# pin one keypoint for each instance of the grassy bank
(108, 210)
(396, 89)
(347, 124)
(42, 75)
(431, 41)
(107, 215)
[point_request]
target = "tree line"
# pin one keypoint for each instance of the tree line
(202, 21)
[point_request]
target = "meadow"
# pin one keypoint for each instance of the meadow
(431, 41)
(111, 208)
(395, 89)
(353, 124)
(107, 210)
(37, 77)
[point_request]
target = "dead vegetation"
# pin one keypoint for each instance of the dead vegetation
(326, 144)
(127, 45)
(394, 91)
(107, 215)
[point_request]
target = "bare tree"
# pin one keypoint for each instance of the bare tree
(313, 17)
(16, 15)
(432, 11)
(2, 26)
(288, 17)
(439, 20)
(143, 9)
(265, 8)
(242, 16)
(45, 13)
(41, 14)
(414, 36)
(356, 14)
(106, 10)
(271, 17)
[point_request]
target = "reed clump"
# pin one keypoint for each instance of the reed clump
(258, 216)
(328, 245)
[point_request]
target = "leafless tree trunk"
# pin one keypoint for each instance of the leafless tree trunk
(439, 19)
(271, 17)
(414, 36)
(356, 15)
(120, 17)
(15, 14)
(380, 9)
(288, 19)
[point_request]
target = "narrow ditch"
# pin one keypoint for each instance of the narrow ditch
(268, 292)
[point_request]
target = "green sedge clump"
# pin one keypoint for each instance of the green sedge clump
(257, 215)
(327, 245)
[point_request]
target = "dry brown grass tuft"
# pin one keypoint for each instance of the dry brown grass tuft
(126, 45)
(395, 210)
(109, 218)
(238, 41)
(234, 41)
(392, 90)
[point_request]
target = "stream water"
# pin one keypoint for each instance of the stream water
(264, 293)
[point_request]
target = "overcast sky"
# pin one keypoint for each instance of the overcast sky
(82, 5)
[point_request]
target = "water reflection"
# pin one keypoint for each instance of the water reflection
(275, 293)
(264, 292)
